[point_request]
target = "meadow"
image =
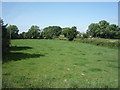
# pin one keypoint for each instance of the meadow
(40, 63)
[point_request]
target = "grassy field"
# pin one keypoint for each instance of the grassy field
(59, 64)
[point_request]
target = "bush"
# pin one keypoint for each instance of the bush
(100, 42)
(85, 35)
(61, 37)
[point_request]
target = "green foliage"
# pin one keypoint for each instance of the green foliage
(22, 35)
(33, 32)
(100, 42)
(47, 34)
(104, 30)
(13, 30)
(5, 37)
(51, 32)
(93, 29)
(103, 24)
(85, 35)
(61, 37)
(65, 31)
(70, 33)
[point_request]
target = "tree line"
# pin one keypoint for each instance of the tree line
(102, 29)
(49, 32)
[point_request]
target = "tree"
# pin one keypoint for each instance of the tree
(70, 33)
(13, 30)
(113, 31)
(104, 30)
(33, 32)
(5, 37)
(103, 24)
(65, 31)
(47, 34)
(22, 35)
(51, 32)
(93, 29)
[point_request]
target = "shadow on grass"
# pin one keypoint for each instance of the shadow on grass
(16, 48)
(15, 56)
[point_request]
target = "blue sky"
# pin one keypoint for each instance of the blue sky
(64, 14)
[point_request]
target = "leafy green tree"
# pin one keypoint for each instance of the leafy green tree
(5, 37)
(22, 35)
(51, 32)
(27, 36)
(104, 30)
(70, 33)
(65, 31)
(13, 30)
(93, 29)
(78, 34)
(47, 34)
(113, 31)
(103, 24)
(33, 32)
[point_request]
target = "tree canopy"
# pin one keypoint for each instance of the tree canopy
(13, 30)
(33, 32)
(70, 33)
(104, 30)
(51, 32)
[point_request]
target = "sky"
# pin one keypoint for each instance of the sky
(63, 14)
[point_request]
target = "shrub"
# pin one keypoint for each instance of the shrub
(85, 35)
(100, 42)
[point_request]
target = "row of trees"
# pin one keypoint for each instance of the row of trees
(103, 29)
(49, 32)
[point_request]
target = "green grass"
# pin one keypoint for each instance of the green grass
(59, 64)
